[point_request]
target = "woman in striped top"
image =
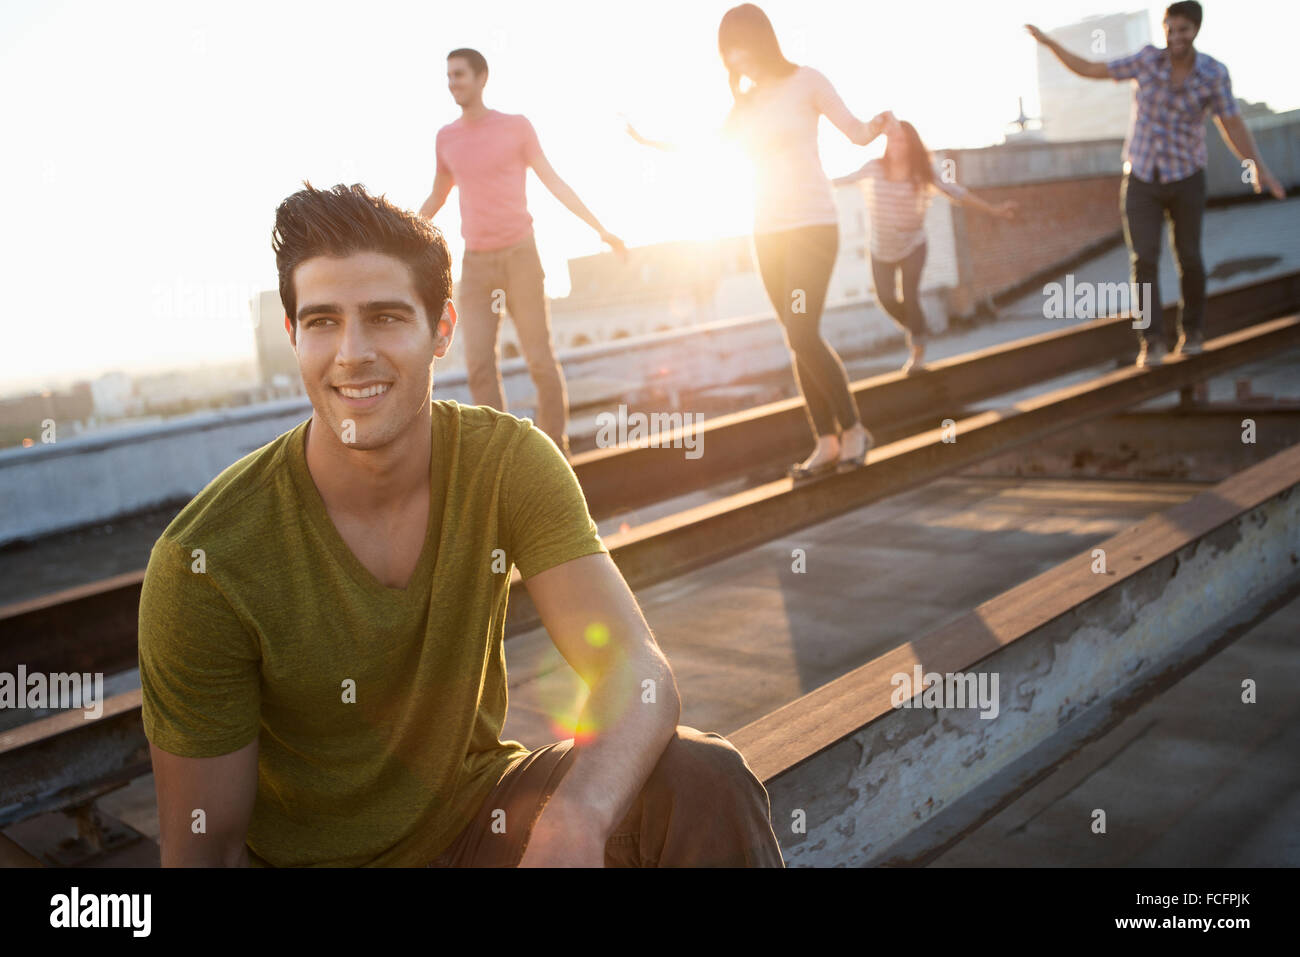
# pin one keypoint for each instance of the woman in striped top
(898, 189)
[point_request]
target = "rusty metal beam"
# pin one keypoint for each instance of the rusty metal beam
(1076, 650)
(56, 761)
(736, 445)
(97, 623)
(676, 544)
(68, 759)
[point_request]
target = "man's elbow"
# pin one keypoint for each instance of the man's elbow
(666, 691)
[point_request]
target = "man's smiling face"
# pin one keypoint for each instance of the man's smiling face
(364, 345)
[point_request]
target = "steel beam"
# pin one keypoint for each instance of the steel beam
(51, 631)
(1075, 649)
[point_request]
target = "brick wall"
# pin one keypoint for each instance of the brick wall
(1058, 220)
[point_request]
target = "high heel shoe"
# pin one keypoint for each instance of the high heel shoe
(798, 472)
(857, 461)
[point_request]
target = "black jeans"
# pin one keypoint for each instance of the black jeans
(906, 313)
(796, 267)
(1145, 207)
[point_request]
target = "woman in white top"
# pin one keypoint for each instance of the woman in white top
(898, 189)
(796, 232)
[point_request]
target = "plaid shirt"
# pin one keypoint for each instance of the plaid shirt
(1166, 131)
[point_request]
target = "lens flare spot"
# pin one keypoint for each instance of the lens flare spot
(597, 634)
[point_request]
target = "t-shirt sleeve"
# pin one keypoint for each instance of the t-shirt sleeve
(200, 668)
(1127, 67)
(1222, 102)
(829, 104)
(529, 143)
(546, 519)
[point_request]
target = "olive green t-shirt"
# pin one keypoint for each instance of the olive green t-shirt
(378, 710)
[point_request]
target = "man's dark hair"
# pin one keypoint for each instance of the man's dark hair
(346, 220)
(476, 61)
(1187, 9)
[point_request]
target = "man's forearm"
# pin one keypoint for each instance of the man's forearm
(429, 208)
(628, 734)
(1072, 61)
(565, 194)
(1239, 140)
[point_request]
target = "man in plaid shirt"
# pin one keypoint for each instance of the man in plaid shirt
(1164, 164)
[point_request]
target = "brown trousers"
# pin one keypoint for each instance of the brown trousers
(511, 280)
(701, 807)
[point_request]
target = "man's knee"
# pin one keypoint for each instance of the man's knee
(543, 366)
(703, 761)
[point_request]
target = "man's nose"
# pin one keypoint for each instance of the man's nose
(355, 344)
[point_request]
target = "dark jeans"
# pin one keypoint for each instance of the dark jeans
(907, 312)
(701, 807)
(1145, 207)
(796, 267)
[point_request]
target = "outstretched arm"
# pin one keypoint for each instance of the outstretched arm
(661, 145)
(1095, 70)
(860, 132)
(565, 194)
(1004, 211)
(964, 197)
(1236, 134)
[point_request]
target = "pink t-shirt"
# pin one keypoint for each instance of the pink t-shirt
(488, 159)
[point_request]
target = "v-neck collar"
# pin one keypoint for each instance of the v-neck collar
(1167, 68)
(318, 515)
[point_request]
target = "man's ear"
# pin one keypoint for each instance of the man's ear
(446, 328)
(293, 335)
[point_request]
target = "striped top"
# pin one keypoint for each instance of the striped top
(897, 210)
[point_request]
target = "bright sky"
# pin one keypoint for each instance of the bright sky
(150, 142)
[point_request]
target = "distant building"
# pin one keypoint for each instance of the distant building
(277, 364)
(24, 417)
(1078, 108)
(114, 396)
(668, 286)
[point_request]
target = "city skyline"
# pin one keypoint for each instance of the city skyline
(160, 152)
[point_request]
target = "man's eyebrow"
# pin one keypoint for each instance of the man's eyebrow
(385, 305)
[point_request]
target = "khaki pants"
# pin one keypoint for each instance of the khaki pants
(701, 807)
(510, 280)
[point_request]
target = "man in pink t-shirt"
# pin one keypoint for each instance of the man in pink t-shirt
(487, 154)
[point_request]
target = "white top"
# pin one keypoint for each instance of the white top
(778, 127)
(897, 210)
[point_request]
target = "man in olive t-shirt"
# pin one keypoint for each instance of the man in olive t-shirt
(321, 657)
(382, 706)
